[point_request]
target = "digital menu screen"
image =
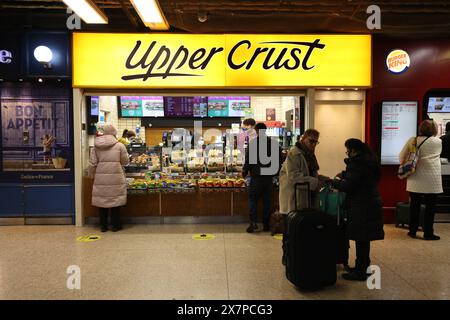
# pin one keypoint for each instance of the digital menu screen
(217, 106)
(200, 107)
(399, 123)
(221, 106)
(439, 104)
(179, 106)
(238, 106)
(146, 106)
(152, 106)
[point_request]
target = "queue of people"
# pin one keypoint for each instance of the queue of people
(359, 181)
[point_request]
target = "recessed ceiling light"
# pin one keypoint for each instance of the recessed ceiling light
(20, 80)
(40, 80)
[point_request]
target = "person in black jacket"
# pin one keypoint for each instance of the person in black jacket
(365, 215)
(445, 153)
(262, 163)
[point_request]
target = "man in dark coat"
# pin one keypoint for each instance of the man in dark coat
(262, 163)
(365, 214)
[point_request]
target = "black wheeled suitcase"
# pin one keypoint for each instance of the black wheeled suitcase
(402, 214)
(311, 248)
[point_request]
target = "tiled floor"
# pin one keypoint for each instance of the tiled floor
(163, 262)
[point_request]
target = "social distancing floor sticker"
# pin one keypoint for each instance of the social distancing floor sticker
(203, 236)
(90, 238)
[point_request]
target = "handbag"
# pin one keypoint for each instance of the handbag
(408, 167)
(331, 201)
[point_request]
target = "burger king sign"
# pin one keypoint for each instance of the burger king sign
(398, 61)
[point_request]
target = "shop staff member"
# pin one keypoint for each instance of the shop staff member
(247, 133)
(127, 135)
(261, 173)
(110, 187)
(365, 213)
(300, 166)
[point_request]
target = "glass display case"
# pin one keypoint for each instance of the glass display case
(214, 158)
(195, 161)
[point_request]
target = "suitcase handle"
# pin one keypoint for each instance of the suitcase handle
(308, 189)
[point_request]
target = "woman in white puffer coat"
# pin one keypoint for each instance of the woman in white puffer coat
(426, 181)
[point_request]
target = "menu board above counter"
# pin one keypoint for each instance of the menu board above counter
(145, 106)
(222, 106)
(399, 123)
(185, 107)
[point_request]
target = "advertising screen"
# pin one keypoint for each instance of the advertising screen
(145, 106)
(130, 106)
(217, 106)
(200, 107)
(238, 106)
(152, 106)
(399, 123)
(439, 104)
(220, 106)
(94, 105)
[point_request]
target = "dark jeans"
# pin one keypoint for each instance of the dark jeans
(260, 187)
(362, 255)
(115, 217)
(430, 210)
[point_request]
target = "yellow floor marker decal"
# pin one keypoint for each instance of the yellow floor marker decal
(88, 238)
(203, 236)
(278, 236)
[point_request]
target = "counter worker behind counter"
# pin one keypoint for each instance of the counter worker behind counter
(127, 136)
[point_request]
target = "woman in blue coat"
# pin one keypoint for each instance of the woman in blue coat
(365, 214)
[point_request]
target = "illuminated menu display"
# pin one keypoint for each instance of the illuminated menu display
(221, 106)
(439, 104)
(145, 106)
(399, 123)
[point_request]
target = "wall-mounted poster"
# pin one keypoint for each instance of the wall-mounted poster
(271, 114)
(399, 123)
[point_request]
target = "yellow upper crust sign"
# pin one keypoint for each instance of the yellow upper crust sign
(219, 61)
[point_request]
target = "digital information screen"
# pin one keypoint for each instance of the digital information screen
(146, 106)
(438, 104)
(399, 123)
(180, 107)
